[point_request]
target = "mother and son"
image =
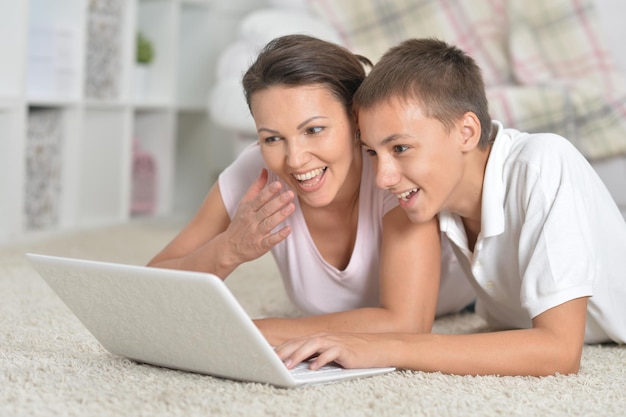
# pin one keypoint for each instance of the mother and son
(390, 199)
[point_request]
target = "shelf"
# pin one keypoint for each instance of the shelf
(73, 116)
(54, 57)
(45, 165)
(196, 25)
(203, 3)
(104, 167)
(156, 20)
(8, 104)
(193, 156)
(154, 105)
(106, 104)
(153, 130)
(52, 102)
(11, 155)
(13, 35)
(109, 49)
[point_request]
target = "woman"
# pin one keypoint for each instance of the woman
(348, 255)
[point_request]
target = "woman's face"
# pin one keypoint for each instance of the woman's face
(307, 139)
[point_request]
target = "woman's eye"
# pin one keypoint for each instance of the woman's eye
(271, 139)
(313, 130)
(371, 152)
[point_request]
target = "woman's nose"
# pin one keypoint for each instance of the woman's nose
(297, 154)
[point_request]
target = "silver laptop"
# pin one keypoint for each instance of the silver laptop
(175, 319)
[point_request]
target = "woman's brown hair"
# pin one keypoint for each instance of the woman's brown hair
(297, 60)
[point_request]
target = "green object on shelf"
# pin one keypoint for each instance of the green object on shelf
(145, 50)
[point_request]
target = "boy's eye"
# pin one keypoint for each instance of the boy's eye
(313, 130)
(400, 148)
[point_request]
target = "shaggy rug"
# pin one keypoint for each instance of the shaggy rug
(50, 365)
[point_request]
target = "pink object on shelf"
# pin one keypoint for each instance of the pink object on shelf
(144, 181)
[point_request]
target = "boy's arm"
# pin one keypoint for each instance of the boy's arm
(553, 345)
(409, 283)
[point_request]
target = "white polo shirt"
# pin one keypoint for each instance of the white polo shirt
(550, 233)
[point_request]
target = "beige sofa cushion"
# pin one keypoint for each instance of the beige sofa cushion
(546, 65)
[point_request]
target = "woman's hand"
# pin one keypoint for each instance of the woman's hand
(251, 232)
(213, 242)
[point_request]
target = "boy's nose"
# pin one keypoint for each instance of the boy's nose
(387, 175)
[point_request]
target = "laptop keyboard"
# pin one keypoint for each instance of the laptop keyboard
(303, 369)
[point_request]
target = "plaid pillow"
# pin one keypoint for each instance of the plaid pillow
(478, 27)
(545, 64)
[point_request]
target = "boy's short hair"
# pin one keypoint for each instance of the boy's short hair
(444, 80)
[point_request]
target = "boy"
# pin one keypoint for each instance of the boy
(536, 231)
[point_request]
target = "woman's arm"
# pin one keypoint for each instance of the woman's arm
(553, 345)
(211, 242)
(409, 282)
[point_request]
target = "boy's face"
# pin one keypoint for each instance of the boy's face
(416, 158)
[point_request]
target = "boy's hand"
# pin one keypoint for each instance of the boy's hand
(350, 350)
(262, 208)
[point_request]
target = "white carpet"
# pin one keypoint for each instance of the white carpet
(51, 366)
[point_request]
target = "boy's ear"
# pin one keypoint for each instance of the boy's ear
(470, 131)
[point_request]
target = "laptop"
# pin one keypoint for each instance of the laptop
(176, 319)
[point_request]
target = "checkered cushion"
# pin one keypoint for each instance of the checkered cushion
(545, 63)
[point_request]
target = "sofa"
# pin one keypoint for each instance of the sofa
(548, 66)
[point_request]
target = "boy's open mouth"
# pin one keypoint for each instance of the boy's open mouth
(406, 196)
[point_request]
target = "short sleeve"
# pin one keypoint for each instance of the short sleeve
(556, 242)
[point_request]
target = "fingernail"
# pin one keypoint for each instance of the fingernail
(287, 362)
(275, 186)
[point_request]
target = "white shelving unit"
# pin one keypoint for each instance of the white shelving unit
(70, 114)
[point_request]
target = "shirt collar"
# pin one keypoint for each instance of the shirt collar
(492, 210)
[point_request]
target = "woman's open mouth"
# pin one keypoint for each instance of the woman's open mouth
(311, 178)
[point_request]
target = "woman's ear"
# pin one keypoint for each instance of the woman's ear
(470, 131)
